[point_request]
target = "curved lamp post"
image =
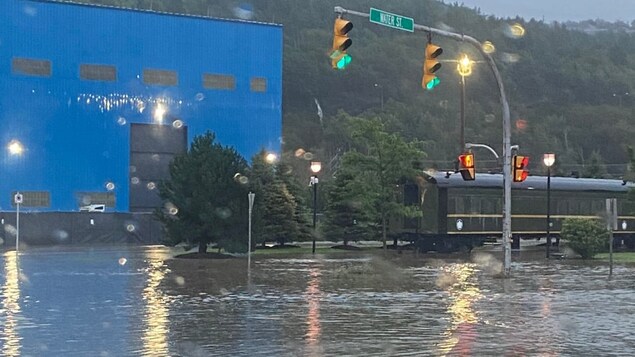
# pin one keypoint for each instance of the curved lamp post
(464, 67)
(548, 159)
(316, 166)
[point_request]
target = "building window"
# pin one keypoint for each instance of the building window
(258, 84)
(92, 198)
(219, 81)
(97, 72)
(31, 67)
(160, 77)
(33, 199)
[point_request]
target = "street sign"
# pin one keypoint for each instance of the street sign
(392, 20)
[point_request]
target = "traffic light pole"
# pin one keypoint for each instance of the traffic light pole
(507, 186)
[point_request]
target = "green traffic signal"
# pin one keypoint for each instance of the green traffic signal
(344, 61)
(433, 83)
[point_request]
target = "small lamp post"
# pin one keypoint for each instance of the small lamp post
(464, 67)
(548, 159)
(381, 88)
(250, 196)
(316, 166)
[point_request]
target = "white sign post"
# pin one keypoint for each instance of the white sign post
(251, 197)
(18, 199)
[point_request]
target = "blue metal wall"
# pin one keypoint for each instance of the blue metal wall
(76, 132)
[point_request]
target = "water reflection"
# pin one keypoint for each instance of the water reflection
(90, 302)
(155, 332)
(10, 306)
(313, 296)
(464, 292)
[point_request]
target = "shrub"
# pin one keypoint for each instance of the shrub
(586, 237)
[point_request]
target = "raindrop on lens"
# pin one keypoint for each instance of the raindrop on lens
(199, 96)
(110, 186)
(177, 124)
(121, 121)
(130, 227)
(134, 180)
(151, 185)
(179, 280)
(122, 261)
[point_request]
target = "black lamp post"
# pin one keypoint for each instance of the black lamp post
(316, 166)
(548, 159)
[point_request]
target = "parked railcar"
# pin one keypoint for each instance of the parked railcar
(461, 215)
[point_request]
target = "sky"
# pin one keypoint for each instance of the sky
(556, 10)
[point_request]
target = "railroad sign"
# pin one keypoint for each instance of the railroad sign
(391, 20)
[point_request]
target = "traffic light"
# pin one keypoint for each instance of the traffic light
(430, 66)
(519, 168)
(339, 58)
(466, 166)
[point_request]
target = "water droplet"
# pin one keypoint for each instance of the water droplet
(177, 124)
(122, 261)
(130, 227)
(134, 180)
(151, 185)
(179, 280)
(488, 47)
(121, 121)
(110, 186)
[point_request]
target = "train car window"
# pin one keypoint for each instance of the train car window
(585, 207)
(460, 205)
(452, 205)
(475, 205)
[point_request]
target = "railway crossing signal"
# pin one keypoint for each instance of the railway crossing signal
(339, 58)
(430, 66)
(519, 168)
(466, 166)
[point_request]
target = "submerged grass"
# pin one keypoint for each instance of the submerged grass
(621, 257)
(307, 250)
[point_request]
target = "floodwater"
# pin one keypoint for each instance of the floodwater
(139, 301)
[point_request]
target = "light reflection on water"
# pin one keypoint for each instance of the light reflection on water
(10, 312)
(82, 302)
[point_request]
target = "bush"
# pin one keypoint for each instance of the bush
(586, 237)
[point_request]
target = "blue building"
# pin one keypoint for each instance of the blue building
(96, 101)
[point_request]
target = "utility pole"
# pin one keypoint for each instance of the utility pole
(507, 186)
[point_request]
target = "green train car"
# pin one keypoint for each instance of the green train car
(460, 215)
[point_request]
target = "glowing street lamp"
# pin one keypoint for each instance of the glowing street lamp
(316, 166)
(549, 159)
(464, 67)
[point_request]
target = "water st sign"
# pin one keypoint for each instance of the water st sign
(392, 20)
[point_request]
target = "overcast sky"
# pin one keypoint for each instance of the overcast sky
(556, 10)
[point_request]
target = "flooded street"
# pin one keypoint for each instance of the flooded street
(139, 301)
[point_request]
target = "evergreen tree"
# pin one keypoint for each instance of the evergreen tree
(205, 196)
(274, 206)
(348, 213)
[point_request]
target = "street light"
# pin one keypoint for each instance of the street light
(620, 96)
(464, 67)
(316, 166)
(381, 93)
(548, 159)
